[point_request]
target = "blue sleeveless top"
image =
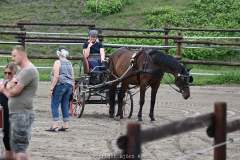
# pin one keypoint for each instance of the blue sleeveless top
(65, 73)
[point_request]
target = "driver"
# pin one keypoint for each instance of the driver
(94, 51)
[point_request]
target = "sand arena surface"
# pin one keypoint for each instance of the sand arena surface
(94, 135)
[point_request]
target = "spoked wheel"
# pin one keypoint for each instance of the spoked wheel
(78, 102)
(127, 105)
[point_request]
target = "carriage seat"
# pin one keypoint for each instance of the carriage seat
(87, 69)
(86, 66)
(95, 77)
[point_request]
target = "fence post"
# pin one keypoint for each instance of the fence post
(179, 46)
(166, 40)
(23, 37)
(100, 37)
(220, 130)
(134, 141)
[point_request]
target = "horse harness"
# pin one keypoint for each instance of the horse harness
(144, 68)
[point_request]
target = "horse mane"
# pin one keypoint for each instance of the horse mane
(167, 60)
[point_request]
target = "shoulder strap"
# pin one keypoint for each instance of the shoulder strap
(5, 85)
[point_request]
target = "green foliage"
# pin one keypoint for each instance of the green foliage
(218, 14)
(105, 7)
(1, 1)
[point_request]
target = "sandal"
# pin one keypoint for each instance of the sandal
(51, 129)
(63, 129)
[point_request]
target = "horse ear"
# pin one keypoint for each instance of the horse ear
(188, 69)
(191, 79)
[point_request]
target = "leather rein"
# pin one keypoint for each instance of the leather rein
(144, 69)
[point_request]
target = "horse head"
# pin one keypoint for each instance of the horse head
(182, 82)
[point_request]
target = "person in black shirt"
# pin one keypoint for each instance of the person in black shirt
(94, 51)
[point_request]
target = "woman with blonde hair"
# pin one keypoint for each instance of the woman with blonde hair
(93, 50)
(10, 70)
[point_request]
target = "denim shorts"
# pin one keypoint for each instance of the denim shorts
(20, 131)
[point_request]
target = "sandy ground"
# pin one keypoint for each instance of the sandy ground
(94, 135)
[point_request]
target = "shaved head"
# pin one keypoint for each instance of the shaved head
(19, 49)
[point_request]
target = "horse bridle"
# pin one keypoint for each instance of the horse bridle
(179, 75)
(182, 87)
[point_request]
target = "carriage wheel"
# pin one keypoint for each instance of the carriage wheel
(127, 105)
(78, 102)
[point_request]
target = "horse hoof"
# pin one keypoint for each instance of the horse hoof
(111, 116)
(153, 121)
(140, 122)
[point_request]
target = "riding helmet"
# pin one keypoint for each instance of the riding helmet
(93, 33)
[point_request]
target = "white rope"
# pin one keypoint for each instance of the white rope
(230, 140)
(5, 42)
(207, 74)
(47, 33)
(211, 47)
(211, 37)
(6, 56)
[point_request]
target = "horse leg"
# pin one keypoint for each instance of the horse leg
(142, 101)
(112, 90)
(121, 95)
(153, 99)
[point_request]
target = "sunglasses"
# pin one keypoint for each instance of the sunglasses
(9, 73)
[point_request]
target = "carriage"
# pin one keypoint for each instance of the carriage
(93, 88)
(144, 68)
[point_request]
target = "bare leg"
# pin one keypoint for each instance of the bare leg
(55, 124)
(27, 154)
(9, 154)
(22, 156)
(65, 124)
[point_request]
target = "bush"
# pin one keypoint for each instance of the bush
(105, 7)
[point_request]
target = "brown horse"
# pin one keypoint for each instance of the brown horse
(147, 68)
